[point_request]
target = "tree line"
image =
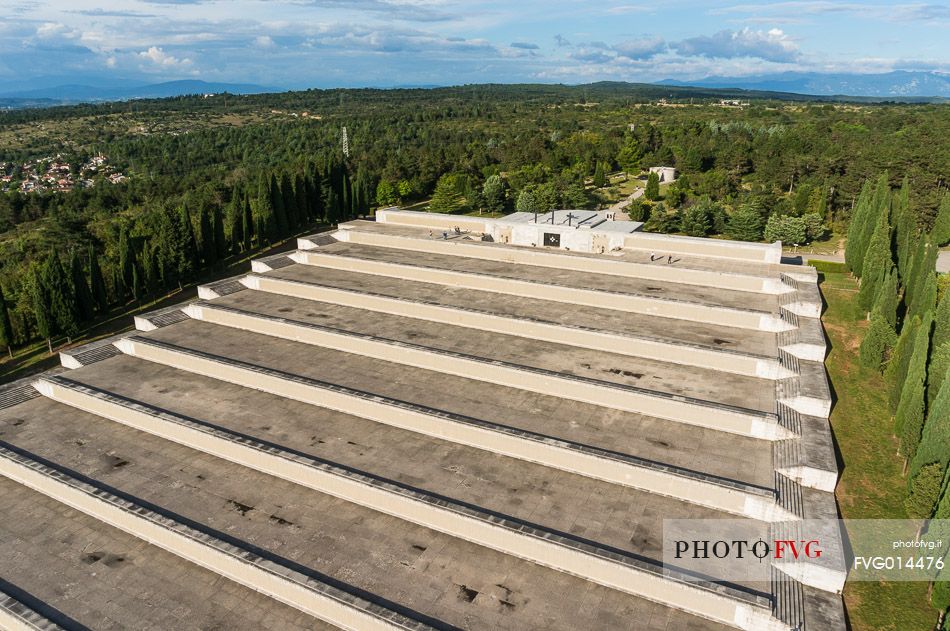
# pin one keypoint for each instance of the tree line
(169, 245)
(908, 339)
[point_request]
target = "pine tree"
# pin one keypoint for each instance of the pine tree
(62, 296)
(941, 230)
(45, 324)
(493, 194)
(696, 220)
(84, 301)
(924, 491)
(745, 223)
(877, 260)
(6, 328)
(446, 198)
(909, 418)
(98, 284)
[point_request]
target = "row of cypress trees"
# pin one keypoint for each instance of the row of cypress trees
(175, 243)
(908, 338)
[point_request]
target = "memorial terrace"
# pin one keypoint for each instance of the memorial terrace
(404, 425)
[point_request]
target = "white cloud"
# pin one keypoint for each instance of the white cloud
(159, 58)
(56, 30)
(264, 41)
(771, 45)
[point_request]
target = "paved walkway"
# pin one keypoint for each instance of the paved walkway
(943, 259)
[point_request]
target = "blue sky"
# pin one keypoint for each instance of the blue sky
(325, 43)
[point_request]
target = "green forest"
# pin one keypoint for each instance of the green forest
(210, 178)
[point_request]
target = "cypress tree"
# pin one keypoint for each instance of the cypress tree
(280, 229)
(62, 297)
(45, 324)
(600, 178)
(896, 371)
(942, 321)
(877, 260)
(853, 245)
(879, 337)
(6, 328)
(935, 438)
(289, 199)
(939, 367)
(940, 595)
(247, 223)
(301, 200)
(888, 297)
(941, 230)
(924, 490)
(909, 418)
(138, 288)
(184, 247)
(150, 274)
(217, 229)
(84, 300)
(922, 285)
(904, 228)
(126, 262)
(99, 294)
(235, 226)
(205, 236)
(652, 189)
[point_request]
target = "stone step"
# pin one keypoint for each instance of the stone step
(572, 335)
(607, 394)
(715, 492)
(619, 301)
(577, 262)
(516, 538)
(16, 395)
(16, 615)
(269, 575)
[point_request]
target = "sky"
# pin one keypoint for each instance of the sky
(296, 44)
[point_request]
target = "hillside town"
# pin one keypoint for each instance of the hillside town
(57, 174)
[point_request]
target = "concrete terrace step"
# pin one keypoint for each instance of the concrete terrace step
(547, 258)
(619, 301)
(18, 616)
(273, 262)
(239, 562)
(513, 537)
(92, 353)
(425, 271)
(572, 335)
(220, 288)
(16, 395)
(159, 318)
(715, 492)
(607, 394)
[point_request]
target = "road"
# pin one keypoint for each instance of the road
(943, 259)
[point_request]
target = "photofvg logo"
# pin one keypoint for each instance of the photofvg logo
(821, 553)
(777, 549)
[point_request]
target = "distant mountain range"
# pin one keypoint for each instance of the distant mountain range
(81, 93)
(898, 85)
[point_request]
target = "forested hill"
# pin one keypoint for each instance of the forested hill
(195, 180)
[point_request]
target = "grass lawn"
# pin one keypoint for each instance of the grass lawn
(871, 484)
